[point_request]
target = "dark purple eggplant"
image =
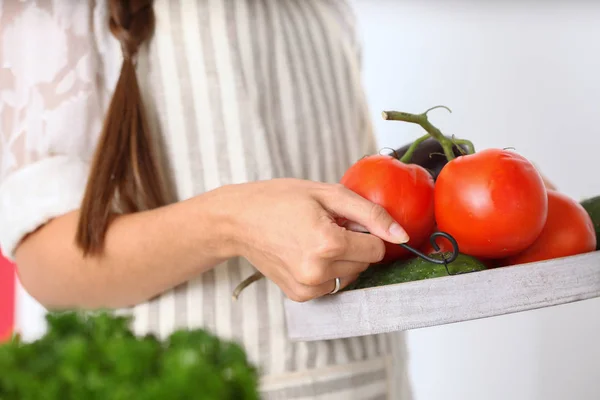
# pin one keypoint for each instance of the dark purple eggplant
(429, 155)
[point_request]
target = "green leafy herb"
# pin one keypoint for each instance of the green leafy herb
(97, 357)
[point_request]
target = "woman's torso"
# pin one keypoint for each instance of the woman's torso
(244, 90)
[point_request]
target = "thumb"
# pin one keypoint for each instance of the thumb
(363, 215)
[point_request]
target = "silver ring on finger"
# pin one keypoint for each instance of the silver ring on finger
(338, 285)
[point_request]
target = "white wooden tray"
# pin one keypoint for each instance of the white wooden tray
(445, 300)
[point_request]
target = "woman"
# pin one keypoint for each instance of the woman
(159, 201)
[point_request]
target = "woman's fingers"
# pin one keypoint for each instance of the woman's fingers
(317, 273)
(301, 293)
(339, 269)
(345, 203)
(363, 247)
(330, 286)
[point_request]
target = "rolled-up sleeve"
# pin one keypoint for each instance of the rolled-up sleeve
(50, 114)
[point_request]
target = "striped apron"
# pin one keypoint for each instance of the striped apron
(238, 91)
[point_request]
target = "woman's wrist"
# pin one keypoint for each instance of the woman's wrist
(214, 216)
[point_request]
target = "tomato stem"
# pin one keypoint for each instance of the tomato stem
(468, 143)
(422, 120)
(413, 147)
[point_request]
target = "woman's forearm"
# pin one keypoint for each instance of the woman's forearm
(146, 253)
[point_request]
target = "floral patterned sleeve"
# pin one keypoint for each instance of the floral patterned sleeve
(49, 112)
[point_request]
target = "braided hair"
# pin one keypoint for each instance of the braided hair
(125, 175)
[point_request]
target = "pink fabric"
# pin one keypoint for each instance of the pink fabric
(7, 298)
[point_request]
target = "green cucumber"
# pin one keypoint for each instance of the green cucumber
(592, 206)
(413, 269)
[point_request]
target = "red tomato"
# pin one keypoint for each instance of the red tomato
(404, 190)
(569, 231)
(494, 203)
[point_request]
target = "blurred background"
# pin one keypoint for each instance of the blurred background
(516, 74)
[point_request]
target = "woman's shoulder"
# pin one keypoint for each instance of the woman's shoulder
(52, 27)
(49, 16)
(48, 80)
(44, 35)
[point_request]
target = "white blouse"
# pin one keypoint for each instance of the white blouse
(237, 90)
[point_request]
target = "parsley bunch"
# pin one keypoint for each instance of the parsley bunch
(97, 356)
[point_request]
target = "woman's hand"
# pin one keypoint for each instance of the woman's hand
(288, 229)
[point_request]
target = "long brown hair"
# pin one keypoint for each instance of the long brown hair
(125, 175)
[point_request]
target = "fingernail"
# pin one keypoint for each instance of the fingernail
(398, 233)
